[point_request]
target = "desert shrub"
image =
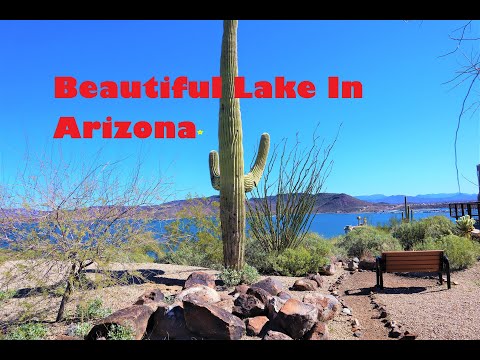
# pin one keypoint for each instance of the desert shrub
(119, 332)
(413, 233)
(306, 258)
(82, 329)
(465, 225)
(7, 294)
(461, 252)
(367, 241)
(28, 331)
(92, 309)
(232, 277)
(195, 237)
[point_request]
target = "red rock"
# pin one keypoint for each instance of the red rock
(199, 278)
(260, 294)
(226, 304)
(305, 285)
(328, 306)
(136, 317)
(248, 306)
(276, 335)
(284, 295)
(317, 277)
(329, 269)
(256, 324)
(240, 289)
(211, 321)
(203, 293)
(318, 332)
(169, 324)
(272, 286)
(296, 318)
(151, 298)
(273, 307)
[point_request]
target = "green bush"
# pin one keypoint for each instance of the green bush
(465, 225)
(367, 242)
(92, 309)
(119, 332)
(28, 331)
(7, 294)
(307, 258)
(232, 277)
(461, 252)
(413, 233)
(82, 329)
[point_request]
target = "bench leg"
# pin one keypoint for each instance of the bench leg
(379, 273)
(440, 277)
(447, 270)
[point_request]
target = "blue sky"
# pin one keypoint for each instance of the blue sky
(397, 139)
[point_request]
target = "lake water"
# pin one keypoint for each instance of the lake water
(332, 224)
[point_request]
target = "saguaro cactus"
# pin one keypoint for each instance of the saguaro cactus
(227, 175)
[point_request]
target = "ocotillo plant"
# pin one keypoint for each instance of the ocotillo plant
(227, 175)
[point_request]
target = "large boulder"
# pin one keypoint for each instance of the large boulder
(135, 317)
(256, 325)
(328, 306)
(272, 286)
(284, 295)
(276, 335)
(260, 294)
(202, 292)
(169, 324)
(248, 306)
(151, 298)
(305, 285)
(226, 304)
(317, 277)
(318, 332)
(329, 269)
(274, 305)
(211, 321)
(296, 318)
(199, 278)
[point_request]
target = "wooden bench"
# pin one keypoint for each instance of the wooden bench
(413, 261)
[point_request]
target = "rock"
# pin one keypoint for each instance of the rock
(355, 323)
(317, 278)
(408, 336)
(357, 333)
(152, 298)
(255, 325)
(356, 260)
(136, 317)
(272, 286)
(225, 296)
(273, 307)
(226, 304)
(383, 314)
(202, 292)
(296, 318)
(346, 311)
(240, 289)
(200, 278)
(260, 294)
(284, 295)
(395, 332)
(328, 306)
(305, 285)
(248, 306)
(169, 324)
(455, 283)
(318, 332)
(276, 335)
(335, 292)
(352, 265)
(211, 321)
(329, 269)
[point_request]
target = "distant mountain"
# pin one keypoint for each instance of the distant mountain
(420, 199)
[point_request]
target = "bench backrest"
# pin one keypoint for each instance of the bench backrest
(416, 261)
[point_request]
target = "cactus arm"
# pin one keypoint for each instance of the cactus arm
(253, 177)
(214, 166)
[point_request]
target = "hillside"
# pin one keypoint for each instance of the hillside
(419, 199)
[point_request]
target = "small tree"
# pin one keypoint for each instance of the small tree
(59, 219)
(281, 211)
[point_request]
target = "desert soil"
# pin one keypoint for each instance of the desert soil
(421, 306)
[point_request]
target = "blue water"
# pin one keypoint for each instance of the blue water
(332, 224)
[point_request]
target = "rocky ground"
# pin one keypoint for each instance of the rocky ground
(408, 307)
